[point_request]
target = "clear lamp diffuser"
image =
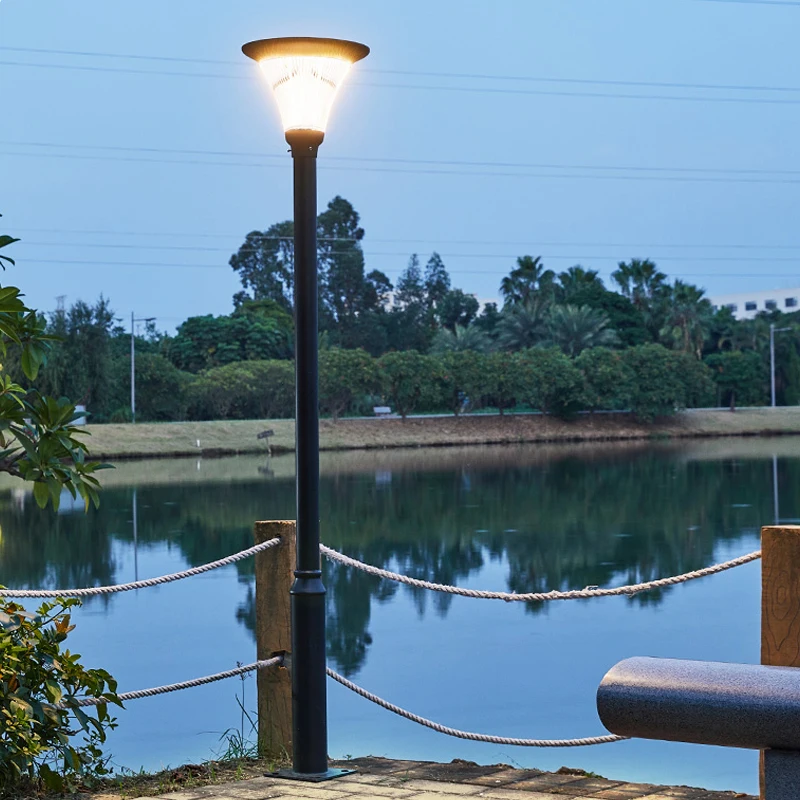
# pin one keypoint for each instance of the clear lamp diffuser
(305, 75)
(305, 88)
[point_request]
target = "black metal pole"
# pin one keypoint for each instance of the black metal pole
(309, 692)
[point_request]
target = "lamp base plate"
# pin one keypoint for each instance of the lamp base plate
(310, 777)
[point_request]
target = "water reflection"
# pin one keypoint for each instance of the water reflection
(559, 518)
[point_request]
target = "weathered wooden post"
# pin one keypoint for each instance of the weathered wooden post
(780, 600)
(274, 578)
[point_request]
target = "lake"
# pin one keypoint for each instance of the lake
(526, 518)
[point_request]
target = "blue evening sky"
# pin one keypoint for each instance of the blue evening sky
(138, 177)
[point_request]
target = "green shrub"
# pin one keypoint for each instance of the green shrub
(345, 376)
(45, 735)
(409, 380)
(503, 380)
(699, 389)
(607, 379)
(464, 379)
(740, 377)
(551, 381)
(244, 390)
(658, 389)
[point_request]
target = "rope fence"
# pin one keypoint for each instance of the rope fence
(370, 569)
(527, 597)
(176, 687)
(147, 582)
(475, 737)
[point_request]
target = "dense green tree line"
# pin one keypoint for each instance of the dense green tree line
(559, 342)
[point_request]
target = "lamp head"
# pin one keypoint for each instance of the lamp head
(305, 75)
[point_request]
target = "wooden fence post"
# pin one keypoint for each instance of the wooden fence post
(780, 600)
(274, 577)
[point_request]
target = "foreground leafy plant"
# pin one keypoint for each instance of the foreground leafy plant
(45, 736)
(38, 435)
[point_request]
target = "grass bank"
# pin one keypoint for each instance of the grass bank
(233, 437)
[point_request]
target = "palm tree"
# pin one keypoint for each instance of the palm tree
(646, 287)
(640, 280)
(577, 328)
(528, 279)
(577, 280)
(460, 339)
(688, 318)
(523, 325)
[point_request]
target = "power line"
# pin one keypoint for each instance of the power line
(423, 87)
(529, 245)
(397, 160)
(432, 74)
(525, 243)
(756, 2)
(402, 171)
(374, 253)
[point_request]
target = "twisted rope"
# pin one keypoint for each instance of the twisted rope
(127, 587)
(175, 687)
(475, 737)
(575, 594)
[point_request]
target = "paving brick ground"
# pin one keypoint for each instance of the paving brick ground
(420, 780)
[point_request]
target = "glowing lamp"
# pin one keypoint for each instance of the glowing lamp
(305, 75)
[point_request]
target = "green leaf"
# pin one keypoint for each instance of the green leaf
(54, 691)
(41, 494)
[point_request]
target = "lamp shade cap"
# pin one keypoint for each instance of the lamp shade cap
(293, 46)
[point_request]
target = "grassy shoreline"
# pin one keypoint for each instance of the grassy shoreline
(236, 437)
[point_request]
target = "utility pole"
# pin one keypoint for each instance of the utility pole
(133, 362)
(772, 331)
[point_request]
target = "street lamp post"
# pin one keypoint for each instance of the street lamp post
(305, 75)
(772, 331)
(133, 362)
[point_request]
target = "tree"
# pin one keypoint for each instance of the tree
(488, 320)
(463, 379)
(410, 287)
(739, 377)
(576, 282)
(460, 340)
(574, 329)
(624, 317)
(528, 279)
(645, 286)
(79, 364)
(437, 281)
(657, 387)
(407, 379)
(160, 389)
(344, 377)
(457, 308)
(341, 269)
(38, 437)
(607, 379)
(523, 325)
(503, 380)
(207, 342)
(243, 390)
(265, 263)
(688, 318)
(551, 381)
(410, 325)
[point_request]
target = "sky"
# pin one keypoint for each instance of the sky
(138, 146)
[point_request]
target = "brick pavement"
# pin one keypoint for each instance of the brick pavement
(420, 780)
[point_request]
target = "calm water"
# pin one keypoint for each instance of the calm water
(524, 519)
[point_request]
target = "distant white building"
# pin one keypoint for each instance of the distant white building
(745, 305)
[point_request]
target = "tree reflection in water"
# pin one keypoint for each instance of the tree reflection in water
(555, 520)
